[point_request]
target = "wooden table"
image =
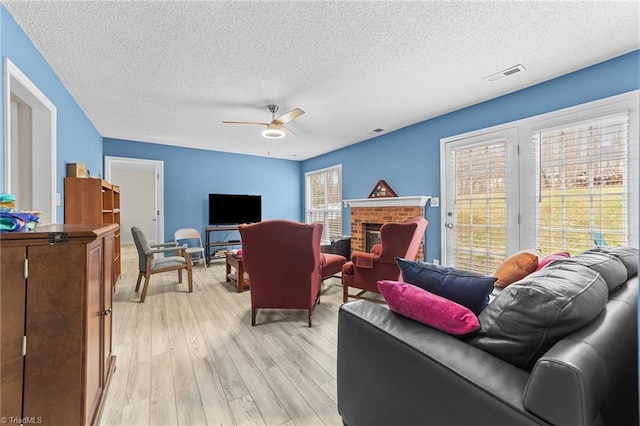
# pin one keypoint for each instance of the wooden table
(235, 261)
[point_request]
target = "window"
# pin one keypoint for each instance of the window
(582, 184)
(563, 181)
(324, 200)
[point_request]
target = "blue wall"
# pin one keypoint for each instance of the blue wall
(191, 174)
(409, 158)
(78, 140)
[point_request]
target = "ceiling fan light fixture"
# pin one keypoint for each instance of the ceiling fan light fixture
(273, 133)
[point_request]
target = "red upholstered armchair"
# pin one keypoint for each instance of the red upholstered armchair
(398, 239)
(282, 259)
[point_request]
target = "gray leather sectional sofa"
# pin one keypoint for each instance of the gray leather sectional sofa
(395, 371)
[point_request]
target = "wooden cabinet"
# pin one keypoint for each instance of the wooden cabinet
(94, 202)
(55, 323)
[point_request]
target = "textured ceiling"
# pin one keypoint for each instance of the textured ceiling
(170, 72)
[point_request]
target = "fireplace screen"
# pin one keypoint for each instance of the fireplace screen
(372, 235)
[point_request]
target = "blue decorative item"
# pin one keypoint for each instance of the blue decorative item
(17, 222)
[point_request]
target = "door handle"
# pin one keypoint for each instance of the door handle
(449, 225)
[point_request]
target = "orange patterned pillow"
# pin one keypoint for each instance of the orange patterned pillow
(516, 267)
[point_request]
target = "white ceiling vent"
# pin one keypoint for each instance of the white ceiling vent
(505, 73)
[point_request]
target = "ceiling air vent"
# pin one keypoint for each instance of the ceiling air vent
(505, 73)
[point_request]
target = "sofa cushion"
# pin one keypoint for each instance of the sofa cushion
(428, 308)
(516, 267)
(609, 266)
(551, 258)
(466, 288)
(628, 256)
(530, 316)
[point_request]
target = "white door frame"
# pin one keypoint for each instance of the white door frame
(110, 161)
(44, 140)
(510, 135)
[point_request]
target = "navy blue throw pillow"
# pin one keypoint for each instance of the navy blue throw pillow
(463, 287)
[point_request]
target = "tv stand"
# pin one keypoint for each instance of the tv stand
(212, 244)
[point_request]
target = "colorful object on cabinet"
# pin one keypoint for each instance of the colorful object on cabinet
(7, 202)
(17, 222)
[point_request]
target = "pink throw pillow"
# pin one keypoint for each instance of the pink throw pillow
(428, 308)
(555, 256)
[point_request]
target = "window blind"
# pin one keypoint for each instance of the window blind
(324, 201)
(582, 184)
(479, 175)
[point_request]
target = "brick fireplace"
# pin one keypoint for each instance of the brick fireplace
(369, 213)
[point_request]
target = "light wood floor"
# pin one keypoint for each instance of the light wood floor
(194, 359)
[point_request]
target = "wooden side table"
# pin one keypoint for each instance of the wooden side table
(235, 261)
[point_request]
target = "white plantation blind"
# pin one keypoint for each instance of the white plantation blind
(582, 184)
(324, 200)
(571, 183)
(478, 174)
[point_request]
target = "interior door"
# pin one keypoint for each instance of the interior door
(480, 181)
(140, 184)
(29, 145)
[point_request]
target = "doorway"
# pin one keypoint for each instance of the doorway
(141, 195)
(479, 179)
(29, 145)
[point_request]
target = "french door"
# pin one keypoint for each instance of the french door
(480, 223)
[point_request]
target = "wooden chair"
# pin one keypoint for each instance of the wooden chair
(149, 264)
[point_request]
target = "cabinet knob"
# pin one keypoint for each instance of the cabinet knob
(106, 312)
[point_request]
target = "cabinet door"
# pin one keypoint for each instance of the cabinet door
(93, 378)
(53, 379)
(108, 278)
(12, 305)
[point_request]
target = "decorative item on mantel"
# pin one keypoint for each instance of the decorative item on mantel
(383, 196)
(382, 190)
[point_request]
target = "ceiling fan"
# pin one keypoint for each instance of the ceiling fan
(276, 127)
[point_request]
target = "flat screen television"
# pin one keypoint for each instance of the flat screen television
(233, 209)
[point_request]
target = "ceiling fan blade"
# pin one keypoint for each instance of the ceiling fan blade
(288, 131)
(288, 116)
(244, 122)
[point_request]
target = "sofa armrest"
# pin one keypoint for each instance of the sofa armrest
(591, 376)
(393, 370)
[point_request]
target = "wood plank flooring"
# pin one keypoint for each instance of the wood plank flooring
(194, 359)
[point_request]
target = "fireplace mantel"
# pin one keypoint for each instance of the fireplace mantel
(419, 200)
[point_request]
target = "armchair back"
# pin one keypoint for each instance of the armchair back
(282, 259)
(398, 239)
